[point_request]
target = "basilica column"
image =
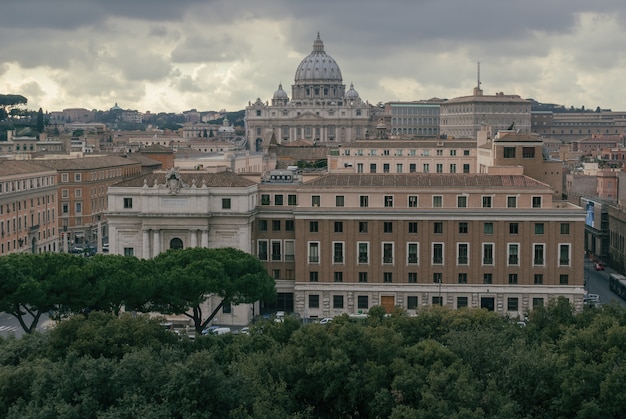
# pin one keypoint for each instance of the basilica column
(146, 244)
(156, 243)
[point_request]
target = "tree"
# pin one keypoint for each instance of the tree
(35, 284)
(186, 278)
(40, 122)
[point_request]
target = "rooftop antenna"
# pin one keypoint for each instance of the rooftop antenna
(477, 90)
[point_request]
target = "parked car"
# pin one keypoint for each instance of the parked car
(209, 330)
(326, 320)
(221, 331)
(77, 250)
(599, 266)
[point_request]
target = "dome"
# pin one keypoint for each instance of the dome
(280, 93)
(351, 93)
(318, 66)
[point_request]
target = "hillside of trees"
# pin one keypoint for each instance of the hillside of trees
(439, 364)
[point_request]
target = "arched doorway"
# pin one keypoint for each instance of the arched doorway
(176, 243)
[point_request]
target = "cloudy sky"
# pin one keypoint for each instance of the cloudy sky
(166, 55)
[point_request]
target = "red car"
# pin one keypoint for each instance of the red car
(599, 267)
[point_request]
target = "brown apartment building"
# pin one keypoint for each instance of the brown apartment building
(82, 203)
(344, 242)
(28, 208)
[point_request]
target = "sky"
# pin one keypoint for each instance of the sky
(172, 56)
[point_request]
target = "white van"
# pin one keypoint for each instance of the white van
(221, 330)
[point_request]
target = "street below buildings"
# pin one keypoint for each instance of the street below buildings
(9, 325)
(597, 282)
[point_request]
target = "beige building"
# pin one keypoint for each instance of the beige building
(28, 208)
(320, 110)
(413, 119)
(464, 117)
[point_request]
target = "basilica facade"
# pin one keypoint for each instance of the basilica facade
(321, 110)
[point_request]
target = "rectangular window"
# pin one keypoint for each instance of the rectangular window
(413, 227)
(487, 278)
(438, 227)
(513, 254)
(314, 301)
(463, 227)
(538, 255)
(262, 252)
(411, 302)
(509, 152)
(339, 201)
(387, 277)
(64, 177)
(388, 227)
(359, 167)
(563, 279)
(275, 225)
(338, 226)
(278, 200)
(337, 301)
(487, 253)
(437, 201)
(289, 225)
(461, 201)
(486, 202)
(128, 203)
(512, 304)
(437, 253)
(453, 168)
(362, 226)
(265, 199)
(372, 167)
(564, 255)
(426, 168)
(461, 302)
(488, 228)
(276, 274)
(466, 168)
(528, 152)
(564, 228)
(398, 167)
(537, 302)
(225, 203)
(314, 252)
(388, 201)
(412, 201)
(362, 276)
(386, 168)
(412, 167)
(276, 254)
(363, 201)
(462, 278)
(437, 277)
(538, 228)
(387, 253)
(536, 202)
(512, 279)
(511, 202)
(78, 193)
(538, 279)
(314, 276)
(513, 228)
(362, 302)
(439, 167)
(337, 252)
(290, 250)
(412, 277)
(412, 252)
(437, 301)
(315, 201)
(65, 193)
(463, 253)
(363, 252)
(77, 177)
(129, 251)
(78, 207)
(313, 226)
(291, 200)
(338, 276)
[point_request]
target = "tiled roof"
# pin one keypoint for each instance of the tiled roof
(425, 180)
(303, 153)
(418, 143)
(486, 98)
(87, 163)
(517, 137)
(20, 167)
(221, 179)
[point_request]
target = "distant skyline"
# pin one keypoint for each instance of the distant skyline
(171, 56)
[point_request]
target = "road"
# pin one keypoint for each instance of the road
(10, 326)
(598, 283)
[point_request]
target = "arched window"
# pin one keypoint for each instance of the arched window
(176, 243)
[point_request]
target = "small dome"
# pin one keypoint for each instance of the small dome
(280, 93)
(351, 93)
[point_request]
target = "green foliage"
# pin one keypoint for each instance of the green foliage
(462, 364)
